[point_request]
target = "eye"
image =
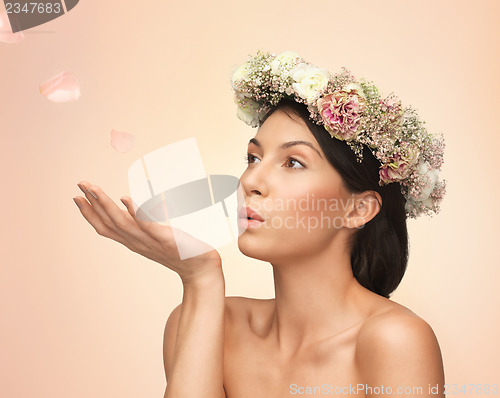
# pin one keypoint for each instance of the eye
(294, 163)
(251, 158)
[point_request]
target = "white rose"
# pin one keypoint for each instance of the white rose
(249, 112)
(423, 167)
(240, 74)
(432, 176)
(310, 81)
(283, 62)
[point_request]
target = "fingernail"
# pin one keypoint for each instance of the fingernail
(81, 188)
(78, 204)
(124, 202)
(92, 193)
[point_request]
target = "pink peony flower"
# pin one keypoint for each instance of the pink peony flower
(399, 167)
(341, 112)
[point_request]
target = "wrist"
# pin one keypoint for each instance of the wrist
(206, 279)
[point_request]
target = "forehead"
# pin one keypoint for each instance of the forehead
(281, 127)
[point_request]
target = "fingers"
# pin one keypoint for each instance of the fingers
(127, 202)
(105, 207)
(108, 219)
(150, 239)
(157, 231)
(91, 196)
(93, 219)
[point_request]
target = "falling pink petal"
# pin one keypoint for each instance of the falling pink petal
(63, 87)
(122, 142)
(6, 34)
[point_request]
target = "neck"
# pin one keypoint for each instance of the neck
(315, 298)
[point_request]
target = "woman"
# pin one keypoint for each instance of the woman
(333, 172)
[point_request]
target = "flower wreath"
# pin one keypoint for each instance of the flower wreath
(352, 111)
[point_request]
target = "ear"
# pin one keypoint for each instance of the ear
(363, 208)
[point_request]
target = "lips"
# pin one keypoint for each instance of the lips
(249, 214)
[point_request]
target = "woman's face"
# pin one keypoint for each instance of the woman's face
(297, 195)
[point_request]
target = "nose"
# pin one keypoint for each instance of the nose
(254, 182)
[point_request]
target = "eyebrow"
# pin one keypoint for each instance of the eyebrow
(288, 145)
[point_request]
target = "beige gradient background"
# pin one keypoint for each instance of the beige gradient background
(80, 315)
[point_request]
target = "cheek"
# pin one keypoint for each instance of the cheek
(307, 216)
(314, 202)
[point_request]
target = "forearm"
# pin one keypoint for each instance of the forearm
(197, 369)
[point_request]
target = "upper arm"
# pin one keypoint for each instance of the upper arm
(401, 352)
(169, 337)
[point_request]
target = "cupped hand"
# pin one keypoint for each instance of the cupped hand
(150, 239)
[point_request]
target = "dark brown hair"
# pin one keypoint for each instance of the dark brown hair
(379, 250)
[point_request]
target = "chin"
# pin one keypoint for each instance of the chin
(268, 250)
(246, 247)
(253, 249)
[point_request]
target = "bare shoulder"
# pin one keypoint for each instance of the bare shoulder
(387, 317)
(397, 326)
(398, 347)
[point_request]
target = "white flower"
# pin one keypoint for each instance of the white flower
(310, 81)
(422, 167)
(356, 88)
(428, 203)
(283, 62)
(248, 112)
(428, 175)
(240, 74)
(241, 95)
